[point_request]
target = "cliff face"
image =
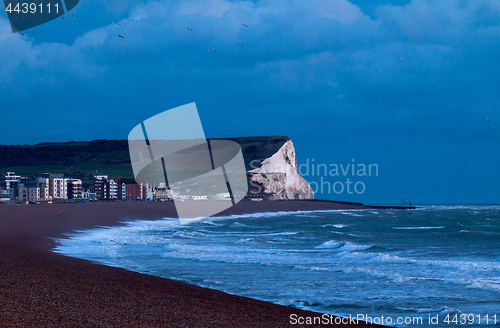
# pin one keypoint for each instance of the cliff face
(278, 175)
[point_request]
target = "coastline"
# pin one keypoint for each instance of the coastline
(41, 288)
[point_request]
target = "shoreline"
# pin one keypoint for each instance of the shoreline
(41, 288)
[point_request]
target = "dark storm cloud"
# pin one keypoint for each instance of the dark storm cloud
(312, 70)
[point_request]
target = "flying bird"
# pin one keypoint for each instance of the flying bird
(190, 29)
(133, 20)
(400, 58)
(212, 49)
(240, 44)
(62, 17)
(121, 36)
(118, 23)
(488, 119)
(75, 15)
(424, 115)
(245, 25)
(379, 103)
(20, 17)
(21, 33)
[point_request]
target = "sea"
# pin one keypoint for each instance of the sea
(435, 266)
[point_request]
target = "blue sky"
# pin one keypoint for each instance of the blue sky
(311, 70)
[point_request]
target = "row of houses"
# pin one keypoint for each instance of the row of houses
(41, 187)
(128, 189)
(51, 186)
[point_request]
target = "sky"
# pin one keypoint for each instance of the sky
(406, 85)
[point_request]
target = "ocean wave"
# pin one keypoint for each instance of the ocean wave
(485, 284)
(284, 233)
(344, 246)
(305, 303)
(212, 223)
(396, 277)
(444, 311)
(188, 234)
(441, 310)
(352, 213)
(419, 310)
(331, 244)
(318, 268)
(480, 232)
(346, 233)
(238, 224)
(246, 240)
(338, 225)
(268, 215)
(417, 228)
(466, 265)
(213, 281)
(385, 258)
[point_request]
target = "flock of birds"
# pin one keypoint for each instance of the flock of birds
(135, 21)
(211, 49)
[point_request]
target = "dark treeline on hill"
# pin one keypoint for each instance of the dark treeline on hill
(65, 154)
(79, 160)
(82, 160)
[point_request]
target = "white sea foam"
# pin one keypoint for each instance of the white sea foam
(238, 224)
(331, 244)
(416, 228)
(284, 233)
(343, 246)
(351, 213)
(338, 225)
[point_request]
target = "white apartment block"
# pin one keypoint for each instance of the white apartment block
(58, 188)
(75, 189)
(44, 191)
(113, 189)
(105, 188)
(10, 179)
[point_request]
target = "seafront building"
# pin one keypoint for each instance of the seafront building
(30, 190)
(42, 187)
(89, 195)
(105, 188)
(129, 189)
(161, 192)
(75, 189)
(55, 184)
(10, 179)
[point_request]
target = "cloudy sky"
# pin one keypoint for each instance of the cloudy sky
(312, 70)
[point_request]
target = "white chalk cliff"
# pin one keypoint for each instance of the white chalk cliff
(278, 174)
